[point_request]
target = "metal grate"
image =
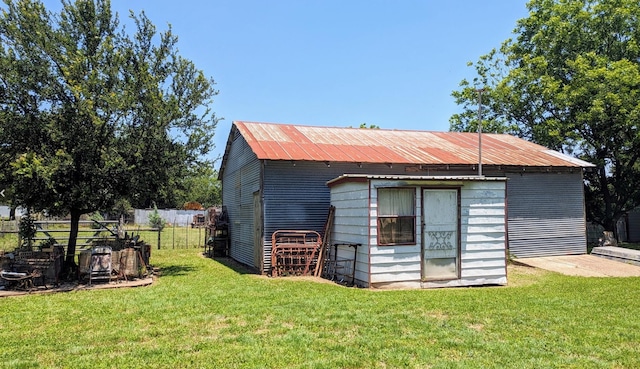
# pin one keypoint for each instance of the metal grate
(294, 252)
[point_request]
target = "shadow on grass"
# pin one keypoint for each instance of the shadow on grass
(176, 270)
(234, 265)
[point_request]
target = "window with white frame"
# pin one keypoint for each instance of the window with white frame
(396, 216)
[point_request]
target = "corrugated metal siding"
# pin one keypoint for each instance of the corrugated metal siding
(633, 225)
(297, 197)
(240, 180)
(546, 214)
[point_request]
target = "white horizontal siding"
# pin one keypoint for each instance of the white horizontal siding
(487, 272)
(397, 267)
(395, 277)
(485, 228)
(483, 233)
(483, 254)
(395, 258)
(394, 250)
(484, 246)
(466, 237)
(482, 236)
(466, 282)
(351, 225)
(484, 263)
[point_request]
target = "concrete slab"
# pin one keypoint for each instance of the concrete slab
(582, 265)
(621, 254)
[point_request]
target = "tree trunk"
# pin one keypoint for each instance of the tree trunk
(70, 262)
(608, 239)
(611, 226)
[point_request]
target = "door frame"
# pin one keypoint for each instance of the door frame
(458, 190)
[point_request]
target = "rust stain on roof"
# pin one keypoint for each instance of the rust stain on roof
(295, 142)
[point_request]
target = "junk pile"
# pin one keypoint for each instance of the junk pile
(217, 232)
(306, 253)
(198, 221)
(122, 256)
(26, 270)
(115, 259)
(301, 252)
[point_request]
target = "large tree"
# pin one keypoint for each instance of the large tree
(90, 114)
(202, 186)
(570, 80)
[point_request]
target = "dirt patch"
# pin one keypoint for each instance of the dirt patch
(67, 287)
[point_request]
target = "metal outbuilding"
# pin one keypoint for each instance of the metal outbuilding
(274, 176)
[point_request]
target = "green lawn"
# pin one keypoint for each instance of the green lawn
(204, 313)
(170, 238)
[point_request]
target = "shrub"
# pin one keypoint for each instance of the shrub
(97, 217)
(155, 220)
(27, 230)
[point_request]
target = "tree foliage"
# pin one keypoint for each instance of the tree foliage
(91, 114)
(370, 126)
(570, 81)
(201, 185)
(155, 220)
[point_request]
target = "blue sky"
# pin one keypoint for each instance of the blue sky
(333, 62)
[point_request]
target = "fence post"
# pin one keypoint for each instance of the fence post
(158, 238)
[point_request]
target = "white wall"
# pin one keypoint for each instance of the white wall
(351, 225)
(482, 233)
(173, 216)
(5, 210)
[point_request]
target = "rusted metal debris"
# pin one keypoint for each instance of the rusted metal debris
(217, 232)
(294, 252)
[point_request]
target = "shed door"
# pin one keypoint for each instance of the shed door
(258, 245)
(440, 251)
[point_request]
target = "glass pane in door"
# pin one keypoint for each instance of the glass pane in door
(440, 253)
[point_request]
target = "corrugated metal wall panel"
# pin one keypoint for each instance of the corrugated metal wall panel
(633, 226)
(296, 195)
(241, 179)
(546, 214)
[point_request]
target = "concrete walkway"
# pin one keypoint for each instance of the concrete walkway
(582, 265)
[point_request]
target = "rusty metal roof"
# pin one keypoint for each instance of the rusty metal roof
(336, 144)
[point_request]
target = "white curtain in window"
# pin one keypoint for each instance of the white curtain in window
(396, 201)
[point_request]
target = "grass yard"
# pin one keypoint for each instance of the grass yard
(204, 313)
(170, 237)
